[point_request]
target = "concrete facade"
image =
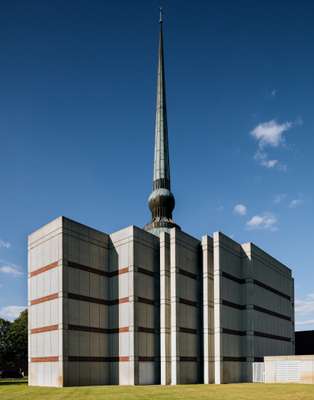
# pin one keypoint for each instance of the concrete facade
(134, 308)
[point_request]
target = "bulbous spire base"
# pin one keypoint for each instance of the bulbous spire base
(161, 203)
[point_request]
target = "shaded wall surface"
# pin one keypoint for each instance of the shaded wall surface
(133, 308)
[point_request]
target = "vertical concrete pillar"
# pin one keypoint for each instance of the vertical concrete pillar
(208, 310)
(217, 310)
(293, 320)
(133, 349)
(174, 330)
(248, 297)
(165, 310)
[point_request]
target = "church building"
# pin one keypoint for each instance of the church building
(152, 305)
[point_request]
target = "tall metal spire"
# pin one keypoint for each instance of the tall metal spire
(161, 201)
(161, 160)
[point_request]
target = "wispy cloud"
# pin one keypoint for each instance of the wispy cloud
(240, 209)
(304, 310)
(305, 322)
(4, 244)
(270, 134)
(11, 312)
(266, 221)
(279, 198)
(295, 203)
(10, 269)
(274, 92)
(264, 161)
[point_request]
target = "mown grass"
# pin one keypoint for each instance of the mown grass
(20, 391)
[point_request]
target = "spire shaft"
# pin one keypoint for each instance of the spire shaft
(161, 201)
(161, 159)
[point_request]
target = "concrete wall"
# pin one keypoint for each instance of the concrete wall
(254, 309)
(186, 308)
(147, 307)
(133, 308)
(229, 306)
(86, 300)
(45, 288)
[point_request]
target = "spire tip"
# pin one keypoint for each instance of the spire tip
(160, 15)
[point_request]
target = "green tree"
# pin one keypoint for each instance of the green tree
(17, 337)
(13, 343)
(4, 331)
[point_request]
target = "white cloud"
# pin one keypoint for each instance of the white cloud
(304, 310)
(4, 244)
(10, 269)
(264, 161)
(270, 133)
(269, 163)
(295, 203)
(279, 198)
(11, 312)
(265, 221)
(240, 209)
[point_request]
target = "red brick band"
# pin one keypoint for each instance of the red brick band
(44, 269)
(39, 300)
(47, 328)
(119, 272)
(44, 359)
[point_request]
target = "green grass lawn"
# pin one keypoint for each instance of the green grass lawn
(20, 391)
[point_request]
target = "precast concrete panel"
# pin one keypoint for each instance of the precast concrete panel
(185, 262)
(147, 306)
(208, 310)
(165, 310)
(228, 301)
(44, 300)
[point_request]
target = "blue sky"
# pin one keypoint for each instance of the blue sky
(77, 124)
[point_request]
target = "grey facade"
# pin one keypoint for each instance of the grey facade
(152, 305)
(133, 308)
